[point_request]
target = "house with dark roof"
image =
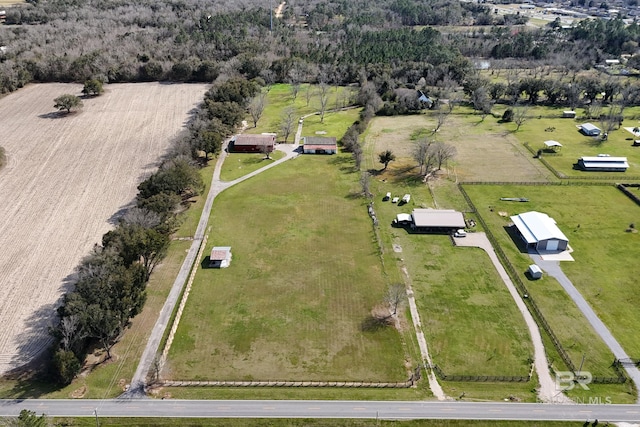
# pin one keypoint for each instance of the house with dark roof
(540, 232)
(246, 143)
(319, 145)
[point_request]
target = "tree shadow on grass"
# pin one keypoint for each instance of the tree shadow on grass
(345, 164)
(373, 323)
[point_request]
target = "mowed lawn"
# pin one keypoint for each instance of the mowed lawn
(305, 274)
(471, 322)
(594, 218)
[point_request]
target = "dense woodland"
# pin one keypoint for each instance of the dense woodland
(388, 48)
(334, 41)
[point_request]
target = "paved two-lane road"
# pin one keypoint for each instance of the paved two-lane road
(322, 409)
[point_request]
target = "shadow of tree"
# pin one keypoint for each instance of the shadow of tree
(54, 115)
(374, 324)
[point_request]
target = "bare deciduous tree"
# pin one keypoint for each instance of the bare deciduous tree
(610, 121)
(520, 115)
(441, 118)
(142, 217)
(323, 95)
(396, 296)
(357, 155)
(256, 107)
(442, 153)
(266, 149)
(69, 331)
(308, 94)
(365, 182)
(287, 122)
(419, 154)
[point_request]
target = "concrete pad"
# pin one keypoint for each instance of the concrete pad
(556, 256)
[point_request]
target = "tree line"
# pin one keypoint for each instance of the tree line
(110, 284)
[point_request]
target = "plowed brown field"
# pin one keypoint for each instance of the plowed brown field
(65, 179)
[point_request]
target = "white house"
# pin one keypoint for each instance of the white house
(603, 163)
(540, 232)
(220, 257)
(590, 129)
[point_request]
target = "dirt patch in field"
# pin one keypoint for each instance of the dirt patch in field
(64, 181)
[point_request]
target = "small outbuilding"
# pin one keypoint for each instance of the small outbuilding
(403, 219)
(603, 163)
(220, 257)
(534, 271)
(590, 129)
(540, 232)
(437, 220)
(319, 145)
(552, 145)
(568, 114)
(246, 143)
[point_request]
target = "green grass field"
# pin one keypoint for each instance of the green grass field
(280, 97)
(594, 218)
(454, 289)
(239, 164)
(546, 124)
(305, 274)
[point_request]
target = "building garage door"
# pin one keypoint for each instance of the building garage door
(552, 245)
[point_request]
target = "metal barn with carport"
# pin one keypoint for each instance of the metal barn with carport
(540, 232)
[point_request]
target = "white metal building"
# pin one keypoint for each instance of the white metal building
(590, 129)
(540, 231)
(603, 164)
(437, 220)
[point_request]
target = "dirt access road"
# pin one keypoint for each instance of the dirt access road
(65, 179)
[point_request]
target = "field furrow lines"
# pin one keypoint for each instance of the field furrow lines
(68, 176)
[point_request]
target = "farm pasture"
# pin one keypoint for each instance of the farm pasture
(486, 151)
(305, 275)
(594, 218)
(66, 179)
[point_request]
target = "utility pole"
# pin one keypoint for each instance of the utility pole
(95, 411)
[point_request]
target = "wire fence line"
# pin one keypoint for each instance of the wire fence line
(530, 302)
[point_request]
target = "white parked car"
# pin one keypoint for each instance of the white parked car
(460, 233)
(395, 200)
(387, 197)
(406, 198)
